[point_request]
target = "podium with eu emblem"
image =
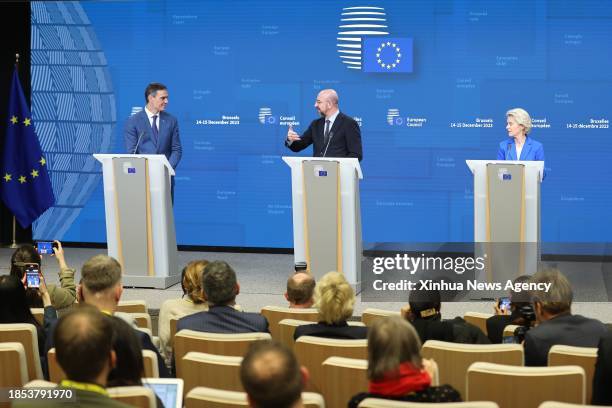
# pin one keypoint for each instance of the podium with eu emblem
(327, 215)
(139, 218)
(507, 215)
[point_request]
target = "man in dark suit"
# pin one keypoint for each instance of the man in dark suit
(221, 288)
(333, 135)
(556, 324)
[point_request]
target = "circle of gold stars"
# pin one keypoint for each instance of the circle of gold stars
(395, 48)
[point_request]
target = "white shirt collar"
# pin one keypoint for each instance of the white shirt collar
(150, 114)
(333, 117)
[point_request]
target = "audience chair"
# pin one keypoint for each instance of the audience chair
(13, 365)
(478, 319)
(234, 344)
(143, 320)
(136, 396)
(556, 404)
(25, 334)
(56, 373)
(509, 330)
(132, 306)
(311, 352)
(287, 329)
(585, 357)
(151, 369)
(40, 384)
(453, 359)
(212, 371)
(525, 387)
(385, 403)
(39, 314)
(203, 397)
(342, 378)
(275, 314)
(173, 323)
(370, 315)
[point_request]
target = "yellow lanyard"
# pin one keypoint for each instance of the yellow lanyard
(84, 386)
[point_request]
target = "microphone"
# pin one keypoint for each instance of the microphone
(331, 134)
(138, 142)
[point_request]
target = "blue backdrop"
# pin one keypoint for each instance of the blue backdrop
(239, 71)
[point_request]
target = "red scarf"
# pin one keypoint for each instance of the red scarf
(404, 381)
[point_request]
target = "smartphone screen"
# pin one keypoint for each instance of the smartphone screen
(44, 247)
(32, 278)
(504, 304)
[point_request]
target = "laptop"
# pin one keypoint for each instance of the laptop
(168, 390)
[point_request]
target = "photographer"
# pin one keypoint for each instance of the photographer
(555, 322)
(516, 310)
(61, 297)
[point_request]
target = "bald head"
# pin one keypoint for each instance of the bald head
(271, 375)
(300, 289)
(327, 102)
(329, 95)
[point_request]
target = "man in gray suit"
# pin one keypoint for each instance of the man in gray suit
(556, 324)
(221, 288)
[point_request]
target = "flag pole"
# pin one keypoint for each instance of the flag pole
(14, 243)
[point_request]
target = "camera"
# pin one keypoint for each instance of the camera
(527, 315)
(45, 247)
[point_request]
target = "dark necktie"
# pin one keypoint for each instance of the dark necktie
(326, 134)
(154, 129)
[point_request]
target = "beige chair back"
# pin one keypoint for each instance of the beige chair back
(173, 323)
(136, 396)
(585, 357)
(454, 358)
(143, 320)
(25, 334)
(234, 344)
(312, 351)
(342, 378)
(556, 404)
(370, 315)
(56, 373)
(13, 365)
(275, 314)
(478, 319)
(212, 371)
(39, 314)
(203, 397)
(132, 306)
(385, 403)
(151, 368)
(509, 330)
(525, 387)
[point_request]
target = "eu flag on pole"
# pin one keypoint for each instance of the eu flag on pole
(25, 186)
(385, 54)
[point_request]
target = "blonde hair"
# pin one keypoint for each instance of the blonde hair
(522, 118)
(334, 298)
(192, 280)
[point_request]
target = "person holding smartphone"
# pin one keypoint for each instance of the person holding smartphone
(14, 307)
(514, 309)
(62, 296)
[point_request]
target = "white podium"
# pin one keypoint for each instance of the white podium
(507, 213)
(327, 215)
(139, 218)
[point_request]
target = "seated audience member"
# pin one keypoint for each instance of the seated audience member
(101, 287)
(221, 288)
(602, 379)
(300, 290)
(192, 301)
(521, 313)
(14, 308)
(423, 312)
(272, 377)
(83, 348)
(334, 298)
(129, 368)
(555, 322)
(61, 297)
(395, 367)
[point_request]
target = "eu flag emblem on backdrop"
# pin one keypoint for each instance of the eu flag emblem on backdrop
(25, 186)
(387, 54)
